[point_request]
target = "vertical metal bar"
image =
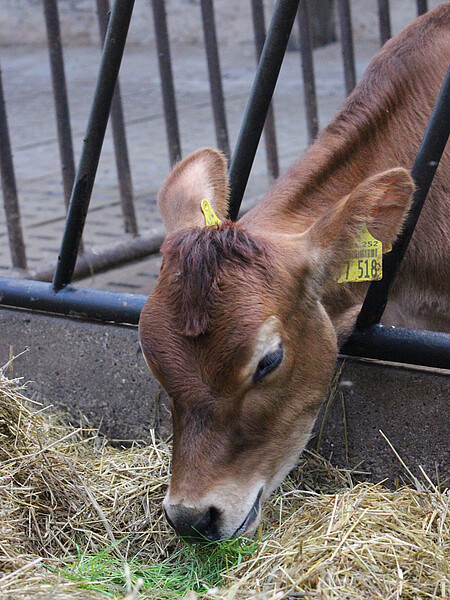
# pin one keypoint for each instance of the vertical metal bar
(165, 70)
(260, 96)
(10, 200)
(119, 136)
(309, 84)
(424, 168)
(215, 79)
(385, 21)
(422, 7)
(259, 27)
(60, 96)
(345, 23)
(95, 132)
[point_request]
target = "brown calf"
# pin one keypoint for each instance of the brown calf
(243, 326)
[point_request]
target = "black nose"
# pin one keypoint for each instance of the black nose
(194, 525)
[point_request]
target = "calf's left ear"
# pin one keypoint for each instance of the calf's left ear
(202, 174)
(380, 202)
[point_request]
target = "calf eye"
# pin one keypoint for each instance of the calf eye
(268, 364)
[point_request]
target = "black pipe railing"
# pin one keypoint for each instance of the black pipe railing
(95, 132)
(309, 85)
(166, 75)
(422, 7)
(215, 78)
(270, 138)
(348, 55)
(9, 188)
(119, 137)
(384, 21)
(260, 98)
(60, 96)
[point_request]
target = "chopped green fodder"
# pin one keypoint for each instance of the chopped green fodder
(81, 520)
(190, 568)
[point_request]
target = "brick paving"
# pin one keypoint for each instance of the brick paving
(27, 88)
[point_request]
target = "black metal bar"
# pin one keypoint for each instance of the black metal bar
(119, 136)
(422, 7)
(60, 96)
(386, 343)
(309, 84)
(95, 132)
(270, 139)
(10, 200)
(215, 79)
(168, 90)
(410, 346)
(345, 24)
(260, 96)
(424, 168)
(75, 302)
(109, 257)
(385, 21)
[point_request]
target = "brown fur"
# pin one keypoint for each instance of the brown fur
(199, 259)
(228, 295)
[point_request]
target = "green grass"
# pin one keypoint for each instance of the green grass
(191, 567)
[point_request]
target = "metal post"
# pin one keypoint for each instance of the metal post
(424, 168)
(10, 200)
(309, 85)
(260, 97)
(422, 7)
(215, 79)
(345, 23)
(168, 90)
(270, 139)
(95, 132)
(60, 96)
(385, 21)
(120, 138)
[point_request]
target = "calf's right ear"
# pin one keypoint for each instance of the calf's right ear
(203, 174)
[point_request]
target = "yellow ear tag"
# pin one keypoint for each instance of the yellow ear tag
(366, 260)
(211, 218)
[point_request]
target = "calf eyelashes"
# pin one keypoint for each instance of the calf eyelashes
(268, 363)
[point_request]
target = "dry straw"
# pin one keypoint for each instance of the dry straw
(64, 492)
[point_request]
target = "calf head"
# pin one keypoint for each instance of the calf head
(236, 332)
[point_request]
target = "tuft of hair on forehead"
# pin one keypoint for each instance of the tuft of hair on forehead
(198, 260)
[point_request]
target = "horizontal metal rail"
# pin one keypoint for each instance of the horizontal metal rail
(410, 346)
(426, 348)
(90, 263)
(99, 305)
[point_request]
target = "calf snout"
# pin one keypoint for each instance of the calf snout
(192, 523)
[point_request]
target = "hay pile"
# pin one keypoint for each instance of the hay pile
(64, 492)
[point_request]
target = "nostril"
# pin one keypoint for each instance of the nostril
(192, 524)
(207, 525)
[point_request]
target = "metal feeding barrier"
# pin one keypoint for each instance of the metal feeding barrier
(370, 338)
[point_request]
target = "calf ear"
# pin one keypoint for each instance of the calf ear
(203, 174)
(380, 202)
